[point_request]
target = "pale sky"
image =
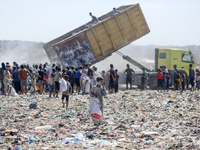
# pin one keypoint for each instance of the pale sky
(172, 22)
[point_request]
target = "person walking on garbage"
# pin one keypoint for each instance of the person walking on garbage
(23, 74)
(58, 75)
(191, 77)
(112, 78)
(99, 91)
(159, 79)
(129, 73)
(65, 94)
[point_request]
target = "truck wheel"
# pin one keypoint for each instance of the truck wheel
(153, 83)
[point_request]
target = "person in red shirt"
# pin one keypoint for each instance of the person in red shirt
(63, 73)
(159, 79)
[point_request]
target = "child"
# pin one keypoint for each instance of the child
(65, 94)
(143, 81)
(168, 78)
(99, 91)
(63, 73)
(104, 77)
(183, 81)
(45, 86)
(164, 81)
(159, 79)
(177, 80)
(52, 85)
(116, 81)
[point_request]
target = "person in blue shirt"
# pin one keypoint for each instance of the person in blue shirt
(16, 80)
(77, 79)
(191, 77)
(164, 81)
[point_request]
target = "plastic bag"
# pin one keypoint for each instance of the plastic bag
(64, 84)
(94, 110)
(13, 92)
(87, 87)
(86, 78)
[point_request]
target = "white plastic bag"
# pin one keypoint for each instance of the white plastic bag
(94, 110)
(86, 78)
(13, 92)
(64, 84)
(87, 87)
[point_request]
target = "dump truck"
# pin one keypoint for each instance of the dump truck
(91, 45)
(164, 57)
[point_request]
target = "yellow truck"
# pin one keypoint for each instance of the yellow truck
(90, 45)
(166, 57)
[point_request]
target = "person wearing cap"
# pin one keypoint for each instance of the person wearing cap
(99, 91)
(7, 79)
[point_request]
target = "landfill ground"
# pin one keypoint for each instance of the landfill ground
(133, 119)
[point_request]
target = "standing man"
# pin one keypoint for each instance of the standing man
(50, 70)
(175, 70)
(58, 75)
(191, 76)
(90, 75)
(2, 77)
(23, 74)
(71, 77)
(16, 80)
(146, 78)
(112, 78)
(116, 81)
(129, 73)
(78, 78)
(40, 78)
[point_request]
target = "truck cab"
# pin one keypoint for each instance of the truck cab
(170, 57)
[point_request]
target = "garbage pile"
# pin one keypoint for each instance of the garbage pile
(132, 120)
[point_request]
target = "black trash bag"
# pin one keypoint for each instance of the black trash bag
(33, 105)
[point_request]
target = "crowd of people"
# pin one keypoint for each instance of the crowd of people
(81, 79)
(180, 79)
